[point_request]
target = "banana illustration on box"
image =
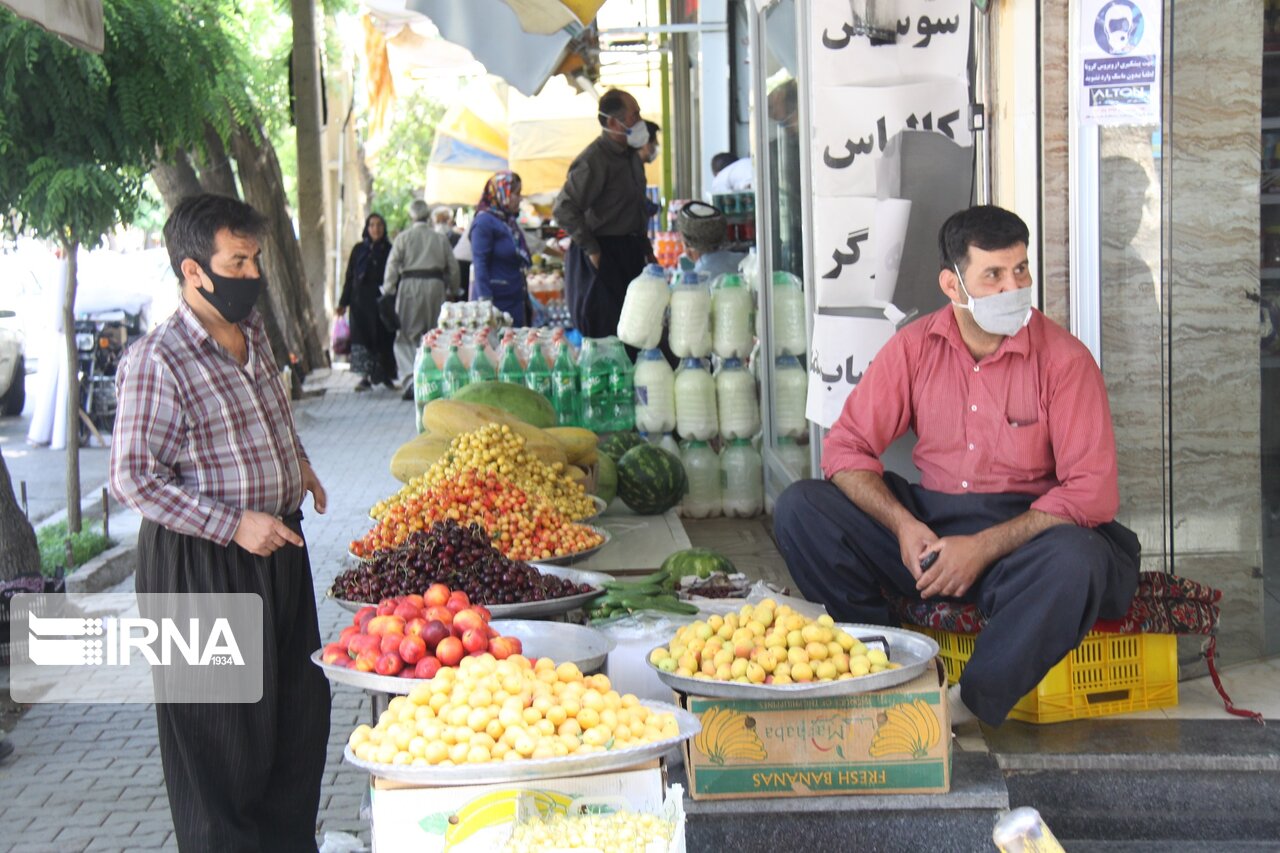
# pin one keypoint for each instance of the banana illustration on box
(911, 728)
(728, 734)
(497, 808)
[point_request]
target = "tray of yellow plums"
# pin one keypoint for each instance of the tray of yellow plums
(766, 651)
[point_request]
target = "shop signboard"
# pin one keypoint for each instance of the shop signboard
(843, 345)
(931, 40)
(858, 248)
(1119, 54)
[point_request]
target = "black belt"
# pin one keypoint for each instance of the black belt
(432, 273)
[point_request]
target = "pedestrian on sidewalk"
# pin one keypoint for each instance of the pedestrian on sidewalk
(499, 253)
(372, 343)
(207, 452)
(421, 273)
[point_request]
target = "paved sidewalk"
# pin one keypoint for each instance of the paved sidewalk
(89, 777)
(45, 471)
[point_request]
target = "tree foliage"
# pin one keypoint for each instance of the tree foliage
(78, 131)
(400, 169)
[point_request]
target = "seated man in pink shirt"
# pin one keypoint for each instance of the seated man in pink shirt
(1017, 497)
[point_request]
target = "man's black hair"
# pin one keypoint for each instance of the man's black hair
(613, 104)
(654, 129)
(721, 161)
(197, 219)
(986, 226)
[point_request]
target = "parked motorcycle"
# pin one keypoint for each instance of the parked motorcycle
(101, 340)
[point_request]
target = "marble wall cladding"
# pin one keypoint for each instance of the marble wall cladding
(1055, 219)
(1213, 143)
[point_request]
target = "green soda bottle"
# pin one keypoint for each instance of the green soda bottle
(564, 388)
(456, 376)
(509, 369)
(537, 376)
(481, 367)
(428, 380)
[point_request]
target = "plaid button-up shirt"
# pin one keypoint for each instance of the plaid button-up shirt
(200, 438)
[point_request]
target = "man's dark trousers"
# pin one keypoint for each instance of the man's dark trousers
(595, 296)
(1040, 601)
(245, 777)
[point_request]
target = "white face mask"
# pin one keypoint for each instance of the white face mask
(1000, 313)
(637, 134)
(443, 228)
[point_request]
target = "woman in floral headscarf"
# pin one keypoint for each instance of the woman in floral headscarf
(372, 344)
(499, 254)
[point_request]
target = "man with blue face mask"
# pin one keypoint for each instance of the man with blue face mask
(1018, 489)
(602, 207)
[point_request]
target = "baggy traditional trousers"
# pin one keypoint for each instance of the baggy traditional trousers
(1040, 600)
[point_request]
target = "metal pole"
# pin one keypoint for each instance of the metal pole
(69, 559)
(106, 515)
(22, 488)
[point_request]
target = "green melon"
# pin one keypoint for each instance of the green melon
(527, 405)
(615, 444)
(606, 478)
(697, 561)
(650, 480)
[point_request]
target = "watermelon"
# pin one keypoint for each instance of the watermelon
(650, 480)
(606, 478)
(529, 406)
(697, 561)
(615, 444)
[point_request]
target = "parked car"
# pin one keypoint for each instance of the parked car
(13, 365)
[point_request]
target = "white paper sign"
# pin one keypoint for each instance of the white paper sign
(842, 349)
(853, 125)
(1120, 54)
(931, 40)
(857, 244)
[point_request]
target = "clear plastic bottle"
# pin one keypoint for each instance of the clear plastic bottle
(695, 395)
(791, 395)
(788, 315)
(690, 333)
(741, 479)
(621, 390)
(640, 323)
(702, 469)
(667, 441)
(428, 380)
(456, 376)
(655, 389)
(594, 367)
(509, 369)
(564, 388)
(739, 410)
(794, 456)
(731, 306)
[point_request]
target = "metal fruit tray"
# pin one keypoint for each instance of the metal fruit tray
(528, 609)
(539, 768)
(914, 651)
(600, 505)
(560, 641)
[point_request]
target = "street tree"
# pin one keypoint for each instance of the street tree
(79, 131)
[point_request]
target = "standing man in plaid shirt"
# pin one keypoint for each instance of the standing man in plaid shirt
(206, 451)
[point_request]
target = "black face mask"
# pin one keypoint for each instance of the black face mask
(233, 298)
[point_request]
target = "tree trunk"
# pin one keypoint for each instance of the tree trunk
(263, 187)
(216, 175)
(72, 248)
(20, 554)
(308, 121)
(176, 179)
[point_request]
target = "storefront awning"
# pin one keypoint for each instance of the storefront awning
(78, 22)
(525, 42)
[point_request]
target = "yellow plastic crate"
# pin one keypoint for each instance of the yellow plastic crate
(1107, 674)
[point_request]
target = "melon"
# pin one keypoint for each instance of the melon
(526, 404)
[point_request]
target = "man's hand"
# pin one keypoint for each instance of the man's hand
(262, 534)
(311, 483)
(914, 540)
(594, 257)
(960, 561)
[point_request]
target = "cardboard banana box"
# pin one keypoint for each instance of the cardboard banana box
(892, 741)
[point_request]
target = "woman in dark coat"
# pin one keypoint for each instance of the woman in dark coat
(372, 343)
